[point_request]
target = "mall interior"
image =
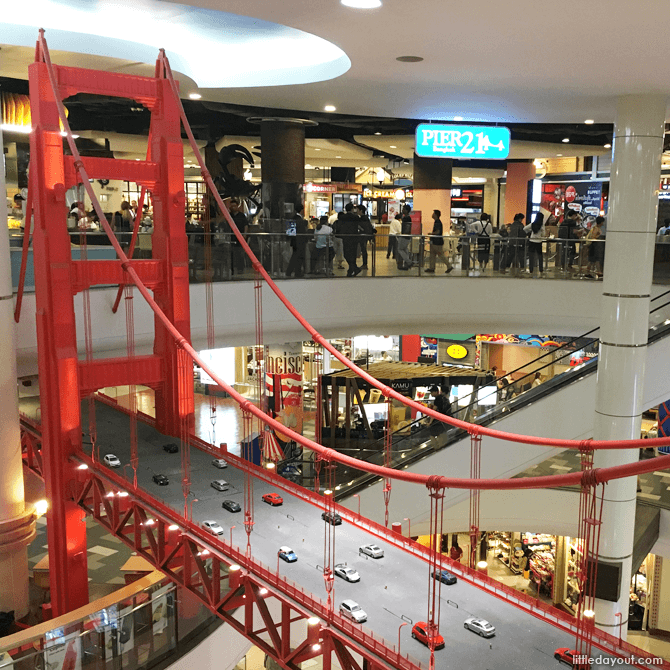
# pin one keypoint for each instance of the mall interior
(461, 441)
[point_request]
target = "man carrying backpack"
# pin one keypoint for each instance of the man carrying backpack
(442, 405)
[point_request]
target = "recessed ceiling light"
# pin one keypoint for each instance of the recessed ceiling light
(565, 140)
(317, 149)
(589, 122)
(559, 154)
(409, 59)
(362, 4)
(377, 133)
(608, 146)
(392, 146)
(338, 156)
(194, 96)
(330, 108)
(458, 118)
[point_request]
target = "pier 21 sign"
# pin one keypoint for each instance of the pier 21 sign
(434, 140)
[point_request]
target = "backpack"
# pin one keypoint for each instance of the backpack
(485, 238)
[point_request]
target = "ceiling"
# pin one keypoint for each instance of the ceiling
(513, 62)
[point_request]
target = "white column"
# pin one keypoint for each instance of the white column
(629, 252)
(17, 525)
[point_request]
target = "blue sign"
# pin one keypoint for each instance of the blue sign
(435, 140)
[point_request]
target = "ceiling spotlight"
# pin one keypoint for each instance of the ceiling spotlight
(329, 108)
(392, 146)
(377, 133)
(458, 118)
(338, 156)
(194, 96)
(362, 4)
(317, 149)
(41, 507)
(559, 154)
(409, 59)
(565, 140)
(589, 122)
(608, 146)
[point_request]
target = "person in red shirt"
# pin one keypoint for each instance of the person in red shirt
(456, 552)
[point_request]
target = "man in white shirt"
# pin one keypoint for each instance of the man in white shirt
(394, 230)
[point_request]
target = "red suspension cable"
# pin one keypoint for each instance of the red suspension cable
(475, 473)
(132, 389)
(551, 481)
(27, 223)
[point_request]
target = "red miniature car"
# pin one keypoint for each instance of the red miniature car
(273, 499)
(420, 633)
(570, 657)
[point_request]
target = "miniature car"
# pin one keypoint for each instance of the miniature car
(480, 626)
(171, 447)
(567, 656)
(445, 577)
(220, 485)
(219, 463)
(420, 633)
(352, 610)
(273, 499)
(347, 573)
(231, 506)
(213, 527)
(161, 480)
(287, 554)
(372, 550)
(112, 461)
(332, 517)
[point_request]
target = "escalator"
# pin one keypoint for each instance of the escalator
(562, 407)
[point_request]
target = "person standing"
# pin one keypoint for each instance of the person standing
(442, 405)
(404, 238)
(296, 266)
(567, 231)
(394, 231)
(437, 244)
(324, 246)
(367, 234)
(537, 233)
(236, 251)
(515, 251)
(483, 230)
(348, 229)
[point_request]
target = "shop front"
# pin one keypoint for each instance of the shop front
(321, 199)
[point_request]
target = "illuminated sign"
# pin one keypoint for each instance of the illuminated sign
(394, 194)
(457, 351)
(320, 188)
(435, 140)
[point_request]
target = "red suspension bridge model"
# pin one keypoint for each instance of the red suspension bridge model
(65, 380)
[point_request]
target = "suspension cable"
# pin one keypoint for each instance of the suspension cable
(550, 481)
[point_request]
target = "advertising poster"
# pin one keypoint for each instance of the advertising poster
(63, 653)
(160, 609)
(585, 197)
(283, 385)
(552, 203)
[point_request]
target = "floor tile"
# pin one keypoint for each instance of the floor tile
(102, 551)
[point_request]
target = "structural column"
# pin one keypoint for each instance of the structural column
(519, 174)
(282, 165)
(432, 190)
(631, 226)
(17, 524)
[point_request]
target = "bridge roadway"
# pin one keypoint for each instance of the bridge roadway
(393, 586)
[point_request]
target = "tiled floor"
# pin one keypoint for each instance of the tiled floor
(106, 555)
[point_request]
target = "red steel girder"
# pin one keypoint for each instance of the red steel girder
(145, 370)
(104, 272)
(144, 173)
(73, 80)
(226, 580)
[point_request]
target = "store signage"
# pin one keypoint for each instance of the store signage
(393, 194)
(320, 188)
(435, 140)
(457, 351)
(403, 386)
